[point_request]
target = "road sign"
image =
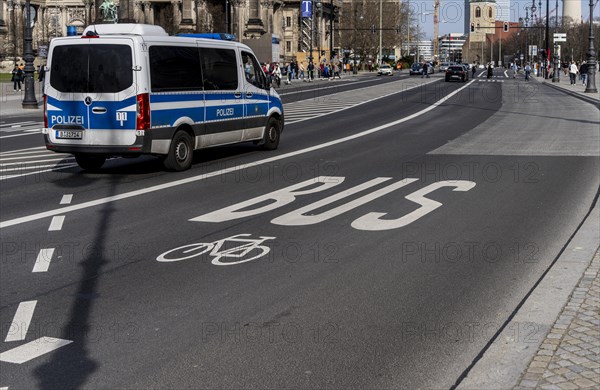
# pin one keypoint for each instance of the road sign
(307, 9)
(560, 37)
(521, 56)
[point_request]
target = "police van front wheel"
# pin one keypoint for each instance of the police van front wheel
(90, 162)
(181, 152)
(272, 134)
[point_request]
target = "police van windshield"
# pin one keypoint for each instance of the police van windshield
(91, 68)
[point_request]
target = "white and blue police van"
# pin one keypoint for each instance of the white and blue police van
(131, 89)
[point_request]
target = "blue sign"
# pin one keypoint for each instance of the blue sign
(306, 8)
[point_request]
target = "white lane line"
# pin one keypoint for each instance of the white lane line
(5, 125)
(32, 350)
(37, 172)
(506, 73)
(42, 262)
(44, 156)
(66, 199)
(18, 135)
(27, 166)
(20, 324)
(22, 150)
(56, 224)
(320, 88)
(237, 168)
(4, 388)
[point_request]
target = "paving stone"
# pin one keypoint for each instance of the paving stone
(568, 386)
(569, 356)
(536, 370)
(556, 379)
(584, 382)
(591, 375)
(528, 384)
(576, 368)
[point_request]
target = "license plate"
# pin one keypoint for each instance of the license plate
(69, 134)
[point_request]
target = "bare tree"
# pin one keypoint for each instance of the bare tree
(360, 27)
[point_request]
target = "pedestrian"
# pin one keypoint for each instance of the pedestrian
(294, 68)
(473, 69)
(573, 73)
(16, 78)
(277, 75)
(490, 70)
(290, 73)
(311, 70)
(301, 71)
(425, 70)
(583, 71)
(42, 76)
(336, 70)
(527, 71)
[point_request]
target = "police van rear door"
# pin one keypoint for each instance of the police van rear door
(91, 96)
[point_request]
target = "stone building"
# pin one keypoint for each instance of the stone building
(277, 22)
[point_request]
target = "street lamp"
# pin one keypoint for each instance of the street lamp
(418, 59)
(591, 55)
(29, 100)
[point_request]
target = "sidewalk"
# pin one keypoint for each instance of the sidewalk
(576, 90)
(11, 101)
(569, 357)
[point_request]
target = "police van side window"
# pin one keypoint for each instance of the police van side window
(175, 68)
(253, 71)
(219, 69)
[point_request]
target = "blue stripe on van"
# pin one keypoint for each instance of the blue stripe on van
(75, 112)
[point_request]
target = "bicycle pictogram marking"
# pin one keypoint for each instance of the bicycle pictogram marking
(243, 246)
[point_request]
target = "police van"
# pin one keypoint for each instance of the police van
(131, 89)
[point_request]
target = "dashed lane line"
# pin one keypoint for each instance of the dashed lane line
(33, 349)
(42, 262)
(21, 321)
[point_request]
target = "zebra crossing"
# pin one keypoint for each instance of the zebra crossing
(19, 129)
(32, 161)
(323, 105)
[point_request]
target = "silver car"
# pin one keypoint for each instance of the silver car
(385, 69)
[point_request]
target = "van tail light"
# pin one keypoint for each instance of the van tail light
(46, 111)
(143, 112)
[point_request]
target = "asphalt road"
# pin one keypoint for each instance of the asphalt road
(393, 239)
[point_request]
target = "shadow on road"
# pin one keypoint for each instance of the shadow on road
(71, 366)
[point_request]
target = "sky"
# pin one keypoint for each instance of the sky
(452, 13)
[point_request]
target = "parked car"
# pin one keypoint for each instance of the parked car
(457, 72)
(444, 66)
(385, 69)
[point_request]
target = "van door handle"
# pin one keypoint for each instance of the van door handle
(249, 94)
(99, 110)
(237, 95)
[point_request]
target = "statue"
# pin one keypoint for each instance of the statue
(109, 11)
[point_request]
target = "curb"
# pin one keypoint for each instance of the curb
(509, 355)
(577, 95)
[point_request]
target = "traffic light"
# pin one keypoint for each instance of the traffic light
(472, 27)
(506, 25)
(373, 28)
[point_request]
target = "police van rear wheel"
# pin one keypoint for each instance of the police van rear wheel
(181, 152)
(272, 134)
(90, 162)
